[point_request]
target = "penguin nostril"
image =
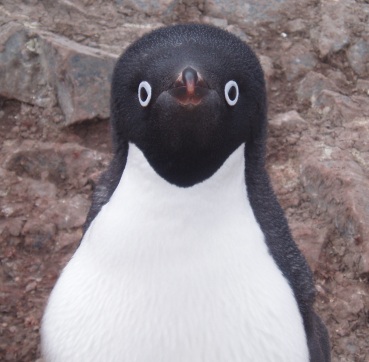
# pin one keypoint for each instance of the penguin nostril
(144, 93)
(231, 92)
(189, 76)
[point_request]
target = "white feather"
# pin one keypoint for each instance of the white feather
(170, 274)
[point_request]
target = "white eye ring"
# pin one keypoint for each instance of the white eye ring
(228, 87)
(144, 88)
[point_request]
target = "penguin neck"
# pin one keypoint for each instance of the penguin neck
(224, 186)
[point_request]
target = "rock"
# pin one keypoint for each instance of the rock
(268, 68)
(296, 26)
(221, 23)
(311, 86)
(238, 32)
(337, 108)
(250, 12)
(310, 238)
(362, 86)
(336, 187)
(61, 214)
(287, 123)
(339, 79)
(30, 287)
(358, 57)
(152, 7)
(65, 240)
(68, 163)
(348, 308)
(14, 226)
(43, 69)
(23, 195)
(331, 35)
(81, 76)
(284, 132)
(285, 180)
(22, 73)
(298, 60)
(38, 232)
(68, 213)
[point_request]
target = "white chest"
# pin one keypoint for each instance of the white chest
(169, 274)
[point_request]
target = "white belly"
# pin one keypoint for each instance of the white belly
(166, 274)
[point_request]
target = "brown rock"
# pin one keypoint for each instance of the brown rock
(67, 163)
(331, 35)
(22, 75)
(38, 232)
(289, 122)
(238, 32)
(221, 23)
(358, 57)
(268, 68)
(362, 86)
(296, 26)
(337, 187)
(251, 12)
(298, 60)
(284, 131)
(337, 108)
(68, 213)
(152, 7)
(15, 225)
(310, 237)
(81, 76)
(312, 84)
(65, 240)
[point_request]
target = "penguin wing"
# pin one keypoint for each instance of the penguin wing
(107, 184)
(288, 258)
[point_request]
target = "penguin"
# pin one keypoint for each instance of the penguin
(186, 254)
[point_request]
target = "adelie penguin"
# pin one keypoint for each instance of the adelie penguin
(186, 255)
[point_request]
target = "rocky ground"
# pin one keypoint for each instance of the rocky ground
(56, 60)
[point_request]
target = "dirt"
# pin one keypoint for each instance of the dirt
(39, 187)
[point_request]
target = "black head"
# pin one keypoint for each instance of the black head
(188, 96)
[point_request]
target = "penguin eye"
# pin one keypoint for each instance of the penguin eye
(231, 92)
(144, 93)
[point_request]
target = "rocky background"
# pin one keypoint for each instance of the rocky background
(56, 60)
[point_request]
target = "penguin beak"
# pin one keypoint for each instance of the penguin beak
(189, 88)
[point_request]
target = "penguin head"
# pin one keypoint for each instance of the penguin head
(188, 96)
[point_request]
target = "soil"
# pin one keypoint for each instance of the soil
(32, 256)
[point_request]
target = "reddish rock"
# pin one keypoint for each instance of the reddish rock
(268, 68)
(331, 35)
(250, 12)
(311, 86)
(296, 26)
(221, 23)
(67, 163)
(337, 189)
(310, 237)
(238, 32)
(39, 232)
(358, 57)
(153, 7)
(284, 131)
(298, 60)
(65, 239)
(337, 108)
(68, 213)
(13, 226)
(362, 86)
